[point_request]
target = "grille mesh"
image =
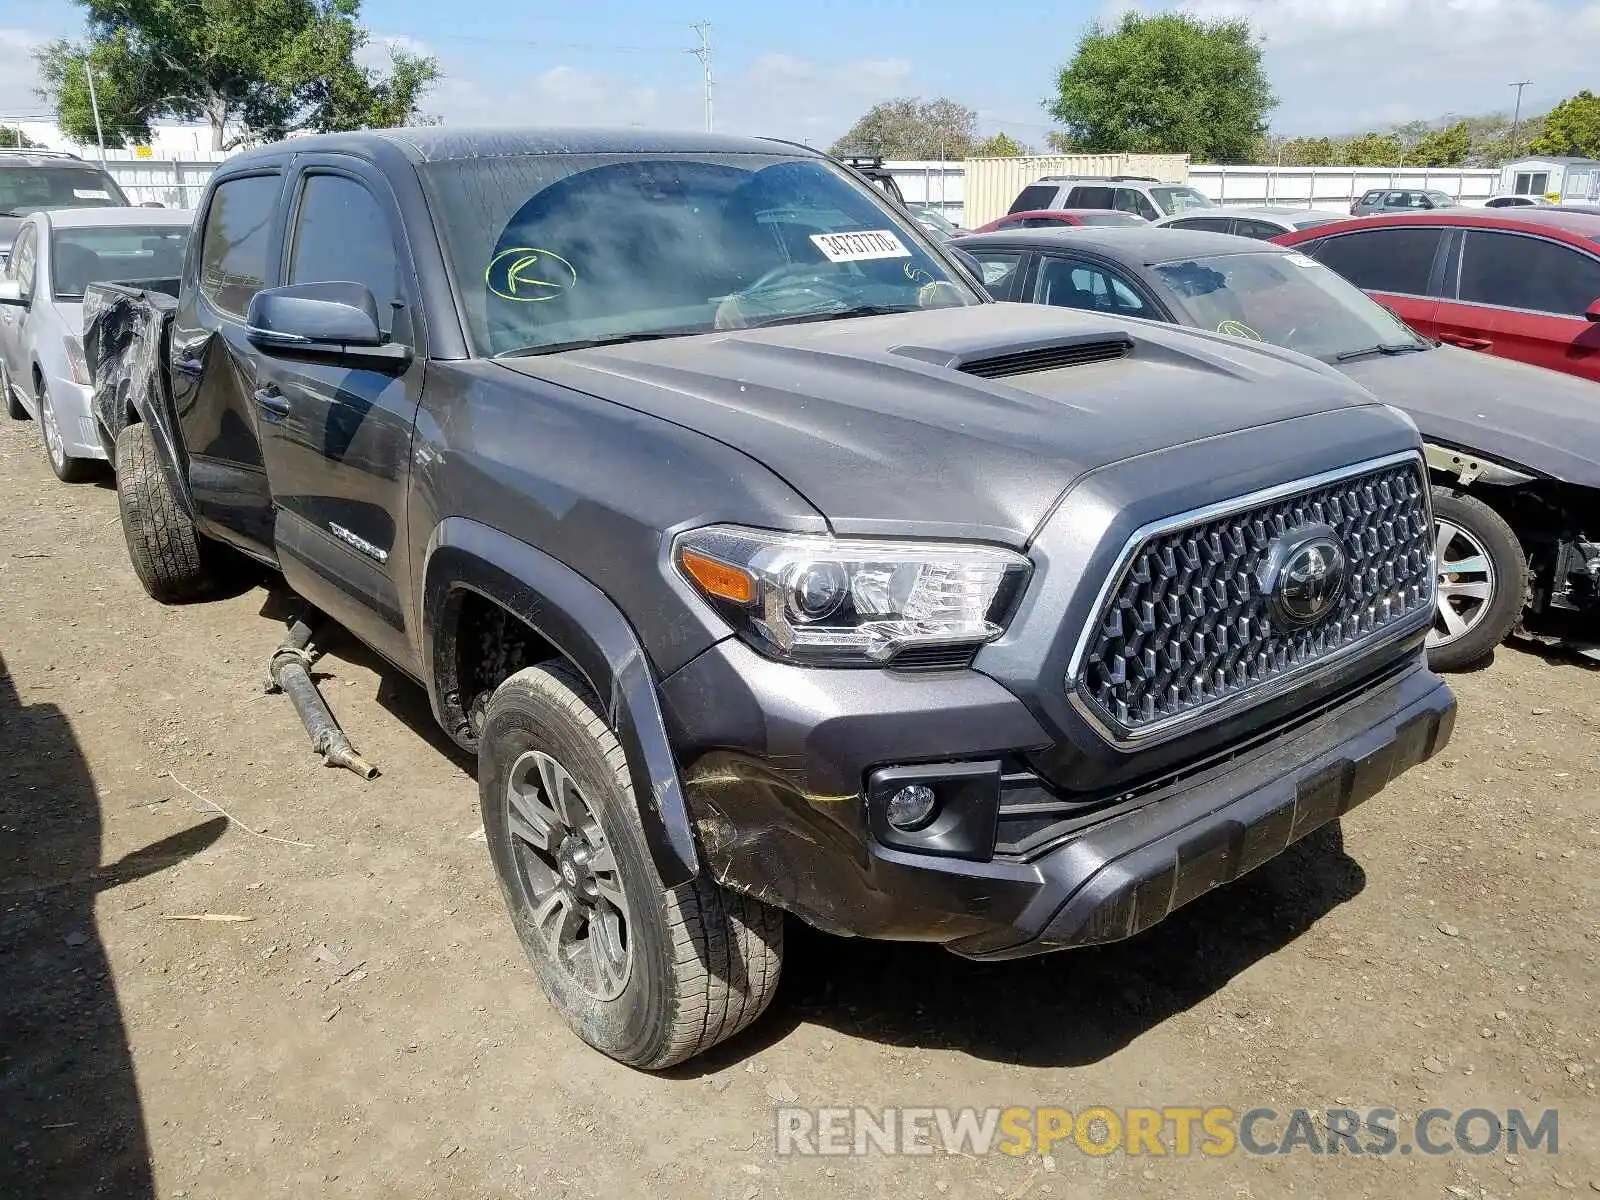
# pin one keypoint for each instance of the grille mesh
(1047, 358)
(1187, 625)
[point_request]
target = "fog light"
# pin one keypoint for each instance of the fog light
(911, 807)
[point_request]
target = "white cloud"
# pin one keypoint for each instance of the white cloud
(1342, 65)
(776, 94)
(18, 74)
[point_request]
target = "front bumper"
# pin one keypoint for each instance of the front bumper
(775, 761)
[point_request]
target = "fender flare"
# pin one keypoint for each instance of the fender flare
(581, 622)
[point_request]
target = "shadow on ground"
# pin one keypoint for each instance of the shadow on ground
(69, 1104)
(1059, 1010)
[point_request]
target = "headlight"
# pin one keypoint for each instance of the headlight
(76, 363)
(839, 601)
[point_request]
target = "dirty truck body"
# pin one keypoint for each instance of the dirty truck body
(913, 614)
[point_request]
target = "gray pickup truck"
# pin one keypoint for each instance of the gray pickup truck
(764, 562)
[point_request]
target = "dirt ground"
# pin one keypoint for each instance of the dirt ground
(372, 1029)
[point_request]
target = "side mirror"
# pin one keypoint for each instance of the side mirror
(967, 263)
(152, 204)
(11, 293)
(333, 322)
(1593, 311)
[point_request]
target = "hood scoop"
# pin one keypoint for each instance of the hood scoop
(1079, 352)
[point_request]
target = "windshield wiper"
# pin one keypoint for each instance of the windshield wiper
(1381, 348)
(835, 314)
(612, 339)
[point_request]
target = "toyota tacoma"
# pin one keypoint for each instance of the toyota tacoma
(764, 562)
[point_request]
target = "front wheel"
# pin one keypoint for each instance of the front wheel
(646, 974)
(166, 549)
(1483, 581)
(67, 468)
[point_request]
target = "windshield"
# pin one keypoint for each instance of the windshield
(26, 189)
(79, 257)
(1174, 200)
(1108, 216)
(1287, 299)
(934, 220)
(549, 251)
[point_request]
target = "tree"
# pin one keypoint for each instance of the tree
(1171, 84)
(1371, 150)
(1571, 128)
(272, 67)
(909, 128)
(1001, 145)
(1447, 147)
(1309, 152)
(12, 138)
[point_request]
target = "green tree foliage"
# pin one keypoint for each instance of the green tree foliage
(1447, 147)
(1001, 145)
(1371, 150)
(271, 67)
(12, 138)
(1169, 84)
(1309, 152)
(911, 128)
(1570, 128)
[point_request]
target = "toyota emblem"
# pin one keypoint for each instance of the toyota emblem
(1303, 575)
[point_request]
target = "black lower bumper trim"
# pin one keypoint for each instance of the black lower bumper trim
(1118, 879)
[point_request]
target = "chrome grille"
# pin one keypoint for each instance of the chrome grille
(1186, 627)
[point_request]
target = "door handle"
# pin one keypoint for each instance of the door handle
(274, 401)
(1466, 342)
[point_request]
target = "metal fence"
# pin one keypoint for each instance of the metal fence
(176, 183)
(1333, 188)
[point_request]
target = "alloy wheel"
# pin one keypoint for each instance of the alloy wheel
(569, 871)
(1466, 583)
(53, 443)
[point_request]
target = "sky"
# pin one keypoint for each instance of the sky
(806, 70)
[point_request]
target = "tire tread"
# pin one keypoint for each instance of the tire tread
(163, 544)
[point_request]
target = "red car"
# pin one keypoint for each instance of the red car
(1521, 283)
(1059, 218)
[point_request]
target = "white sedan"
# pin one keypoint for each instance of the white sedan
(56, 255)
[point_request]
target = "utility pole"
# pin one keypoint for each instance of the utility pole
(703, 53)
(99, 134)
(1516, 117)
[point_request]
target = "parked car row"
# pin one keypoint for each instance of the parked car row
(1514, 450)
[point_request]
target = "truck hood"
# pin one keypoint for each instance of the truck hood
(873, 421)
(1521, 416)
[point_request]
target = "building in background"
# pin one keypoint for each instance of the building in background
(191, 143)
(1562, 179)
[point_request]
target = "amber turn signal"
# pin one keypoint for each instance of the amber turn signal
(718, 579)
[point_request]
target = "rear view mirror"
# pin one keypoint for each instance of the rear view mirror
(337, 322)
(1593, 311)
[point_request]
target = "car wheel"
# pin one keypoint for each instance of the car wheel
(67, 468)
(1483, 581)
(647, 974)
(14, 407)
(167, 551)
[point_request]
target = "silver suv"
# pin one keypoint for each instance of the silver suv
(31, 180)
(1142, 195)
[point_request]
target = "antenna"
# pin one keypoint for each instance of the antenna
(703, 53)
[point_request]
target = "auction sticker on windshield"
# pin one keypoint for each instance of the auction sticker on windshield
(861, 246)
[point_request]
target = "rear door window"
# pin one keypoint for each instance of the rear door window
(342, 234)
(1000, 271)
(1131, 200)
(1090, 196)
(1038, 195)
(1260, 230)
(235, 242)
(1510, 270)
(1383, 260)
(1072, 283)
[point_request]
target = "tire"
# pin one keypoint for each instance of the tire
(1481, 601)
(66, 468)
(14, 407)
(166, 550)
(684, 968)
